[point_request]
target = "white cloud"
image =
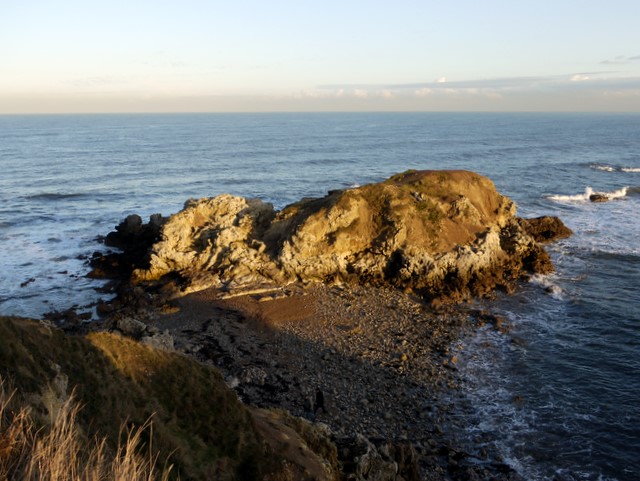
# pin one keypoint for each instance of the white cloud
(497, 92)
(579, 78)
(423, 92)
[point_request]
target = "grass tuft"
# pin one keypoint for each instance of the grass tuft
(61, 452)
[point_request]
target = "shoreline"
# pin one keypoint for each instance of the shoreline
(382, 358)
(356, 298)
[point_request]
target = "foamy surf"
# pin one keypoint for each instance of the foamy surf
(588, 192)
(614, 168)
(604, 168)
(548, 285)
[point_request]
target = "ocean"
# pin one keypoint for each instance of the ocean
(558, 396)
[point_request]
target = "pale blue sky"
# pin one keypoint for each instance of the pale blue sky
(75, 56)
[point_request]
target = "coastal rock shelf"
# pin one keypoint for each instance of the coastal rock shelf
(446, 235)
(328, 295)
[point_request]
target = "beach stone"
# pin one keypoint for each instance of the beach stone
(161, 340)
(131, 327)
(363, 462)
(254, 375)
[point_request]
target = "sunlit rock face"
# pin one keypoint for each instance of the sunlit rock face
(442, 234)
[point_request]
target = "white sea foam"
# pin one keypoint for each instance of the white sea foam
(612, 168)
(604, 167)
(588, 192)
(548, 285)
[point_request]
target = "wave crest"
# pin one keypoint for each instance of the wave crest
(615, 168)
(604, 167)
(588, 192)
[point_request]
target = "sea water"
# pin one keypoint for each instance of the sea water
(558, 396)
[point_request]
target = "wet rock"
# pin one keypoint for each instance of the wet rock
(69, 319)
(598, 198)
(546, 228)
(133, 239)
(27, 282)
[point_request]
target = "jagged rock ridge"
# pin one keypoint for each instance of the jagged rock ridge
(442, 234)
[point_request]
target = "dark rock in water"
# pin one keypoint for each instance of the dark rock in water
(27, 282)
(546, 228)
(134, 240)
(598, 198)
(69, 320)
(132, 233)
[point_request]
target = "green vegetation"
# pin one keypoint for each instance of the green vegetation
(198, 424)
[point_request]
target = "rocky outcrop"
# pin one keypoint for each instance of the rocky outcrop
(545, 229)
(598, 198)
(442, 234)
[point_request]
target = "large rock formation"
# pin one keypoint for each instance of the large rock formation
(442, 234)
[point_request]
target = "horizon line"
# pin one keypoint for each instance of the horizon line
(269, 112)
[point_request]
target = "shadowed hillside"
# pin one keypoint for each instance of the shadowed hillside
(198, 425)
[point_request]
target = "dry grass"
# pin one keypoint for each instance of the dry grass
(200, 427)
(198, 422)
(60, 452)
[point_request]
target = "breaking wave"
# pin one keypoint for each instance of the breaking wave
(604, 167)
(588, 192)
(546, 283)
(614, 168)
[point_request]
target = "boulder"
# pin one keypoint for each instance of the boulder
(159, 340)
(131, 327)
(546, 228)
(598, 198)
(133, 239)
(362, 461)
(445, 235)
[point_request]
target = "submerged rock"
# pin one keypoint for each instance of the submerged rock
(442, 234)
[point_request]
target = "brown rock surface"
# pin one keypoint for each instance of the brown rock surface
(546, 229)
(443, 234)
(321, 295)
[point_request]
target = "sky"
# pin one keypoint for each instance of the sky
(64, 56)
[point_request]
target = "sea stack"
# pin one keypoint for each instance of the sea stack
(445, 235)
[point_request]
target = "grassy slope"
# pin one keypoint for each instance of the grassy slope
(197, 421)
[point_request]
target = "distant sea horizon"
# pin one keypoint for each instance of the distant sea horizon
(331, 112)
